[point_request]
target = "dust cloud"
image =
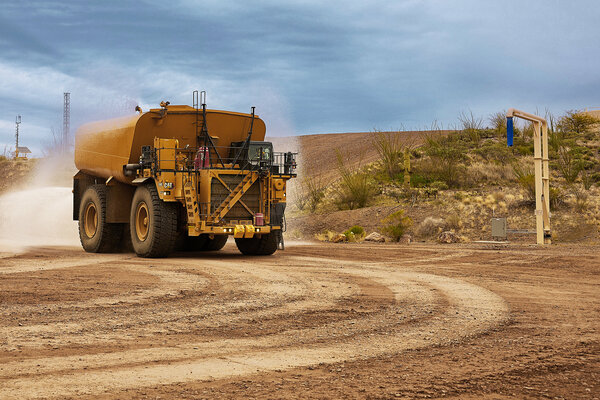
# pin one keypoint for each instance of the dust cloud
(39, 212)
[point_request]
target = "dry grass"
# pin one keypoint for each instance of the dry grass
(430, 227)
(480, 173)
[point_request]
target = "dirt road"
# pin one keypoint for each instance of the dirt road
(314, 321)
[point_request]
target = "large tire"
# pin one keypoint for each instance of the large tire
(96, 235)
(153, 223)
(263, 246)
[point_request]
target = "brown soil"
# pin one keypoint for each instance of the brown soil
(314, 321)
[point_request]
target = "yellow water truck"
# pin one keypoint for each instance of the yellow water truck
(180, 178)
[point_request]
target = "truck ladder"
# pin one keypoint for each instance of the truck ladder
(191, 204)
(234, 196)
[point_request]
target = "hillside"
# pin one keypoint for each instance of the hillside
(459, 181)
(318, 152)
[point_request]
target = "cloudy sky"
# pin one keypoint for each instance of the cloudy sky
(309, 66)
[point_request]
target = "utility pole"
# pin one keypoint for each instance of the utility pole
(17, 123)
(66, 122)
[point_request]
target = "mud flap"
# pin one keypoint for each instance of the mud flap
(278, 218)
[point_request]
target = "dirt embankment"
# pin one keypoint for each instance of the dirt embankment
(15, 174)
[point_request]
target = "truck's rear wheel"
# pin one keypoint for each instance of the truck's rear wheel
(263, 246)
(96, 235)
(153, 223)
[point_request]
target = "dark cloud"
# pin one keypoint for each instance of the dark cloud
(334, 66)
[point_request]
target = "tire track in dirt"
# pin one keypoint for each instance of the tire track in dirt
(416, 310)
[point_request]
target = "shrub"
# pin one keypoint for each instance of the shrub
(495, 151)
(355, 187)
(437, 185)
(453, 222)
(581, 201)
(313, 190)
(472, 127)
(325, 236)
(586, 179)
(574, 123)
(478, 173)
(568, 163)
(526, 179)
(396, 225)
(430, 227)
(389, 148)
(446, 153)
(355, 233)
(556, 197)
(498, 124)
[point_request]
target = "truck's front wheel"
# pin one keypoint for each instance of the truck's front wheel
(153, 223)
(96, 235)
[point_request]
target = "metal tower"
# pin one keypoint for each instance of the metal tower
(17, 122)
(66, 122)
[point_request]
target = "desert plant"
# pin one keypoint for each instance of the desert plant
(447, 153)
(355, 233)
(355, 187)
(438, 185)
(526, 179)
(396, 224)
(581, 201)
(430, 227)
(390, 149)
(325, 236)
(556, 197)
(568, 163)
(472, 126)
(498, 123)
(313, 189)
(486, 173)
(453, 222)
(586, 179)
(574, 123)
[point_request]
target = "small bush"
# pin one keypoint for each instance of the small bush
(430, 227)
(496, 152)
(581, 201)
(526, 179)
(355, 187)
(472, 127)
(389, 148)
(437, 185)
(453, 222)
(569, 163)
(486, 173)
(574, 123)
(313, 190)
(396, 225)
(447, 154)
(498, 124)
(556, 197)
(355, 233)
(325, 236)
